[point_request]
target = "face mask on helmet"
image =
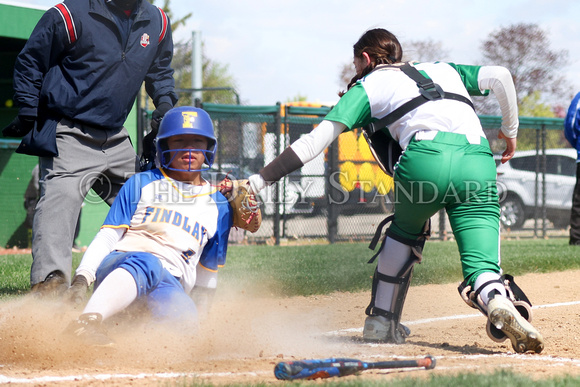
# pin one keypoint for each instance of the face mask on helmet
(185, 120)
(169, 155)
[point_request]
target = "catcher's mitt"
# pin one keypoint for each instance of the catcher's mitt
(247, 214)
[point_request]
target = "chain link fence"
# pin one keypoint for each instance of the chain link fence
(342, 195)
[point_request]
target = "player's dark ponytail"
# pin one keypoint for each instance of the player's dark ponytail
(382, 47)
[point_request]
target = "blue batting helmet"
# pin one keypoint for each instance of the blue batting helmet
(185, 120)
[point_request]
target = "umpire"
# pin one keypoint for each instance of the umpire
(75, 83)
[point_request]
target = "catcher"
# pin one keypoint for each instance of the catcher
(444, 162)
(165, 235)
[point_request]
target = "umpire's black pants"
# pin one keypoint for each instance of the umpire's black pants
(575, 215)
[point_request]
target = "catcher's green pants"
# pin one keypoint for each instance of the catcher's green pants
(449, 172)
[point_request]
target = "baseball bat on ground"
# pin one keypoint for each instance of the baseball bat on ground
(328, 368)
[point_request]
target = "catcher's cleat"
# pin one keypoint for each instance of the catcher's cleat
(380, 329)
(89, 329)
(504, 316)
(53, 286)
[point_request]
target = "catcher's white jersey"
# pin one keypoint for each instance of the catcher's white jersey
(384, 90)
(181, 224)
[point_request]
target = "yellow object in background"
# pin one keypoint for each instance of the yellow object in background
(347, 147)
(364, 149)
(366, 177)
(383, 182)
(348, 176)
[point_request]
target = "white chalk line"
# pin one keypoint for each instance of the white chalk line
(448, 318)
(556, 361)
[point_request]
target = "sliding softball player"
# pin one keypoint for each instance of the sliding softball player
(165, 235)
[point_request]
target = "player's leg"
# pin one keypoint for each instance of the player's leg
(490, 294)
(390, 284)
(171, 307)
(122, 162)
(64, 182)
(122, 278)
(416, 200)
(474, 218)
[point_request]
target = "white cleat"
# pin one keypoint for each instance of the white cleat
(504, 316)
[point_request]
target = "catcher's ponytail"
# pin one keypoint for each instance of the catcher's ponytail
(382, 47)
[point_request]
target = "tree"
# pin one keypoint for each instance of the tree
(524, 49)
(346, 73)
(424, 51)
(298, 98)
(175, 23)
(214, 74)
(532, 106)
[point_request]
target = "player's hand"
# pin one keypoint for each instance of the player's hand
(19, 127)
(257, 183)
(77, 292)
(226, 186)
(158, 114)
(510, 148)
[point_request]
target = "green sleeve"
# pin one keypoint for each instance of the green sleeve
(469, 76)
(353, 109)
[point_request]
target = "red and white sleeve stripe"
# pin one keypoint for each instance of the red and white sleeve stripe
(68, 21)
(164, 23)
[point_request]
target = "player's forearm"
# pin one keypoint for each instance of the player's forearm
(303, 150)
(99, 248)
(499, 80)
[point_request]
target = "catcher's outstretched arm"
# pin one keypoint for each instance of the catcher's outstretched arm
(303, 150)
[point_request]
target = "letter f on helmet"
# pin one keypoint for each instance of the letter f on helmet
(185, 120)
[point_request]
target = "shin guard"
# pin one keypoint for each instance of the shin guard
(391, 315)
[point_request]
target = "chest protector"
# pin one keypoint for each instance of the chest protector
(384, 148)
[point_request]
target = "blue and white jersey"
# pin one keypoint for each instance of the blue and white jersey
(182, 224)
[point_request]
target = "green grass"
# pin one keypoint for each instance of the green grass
(15, 274)
(500, 378)
(320, 269)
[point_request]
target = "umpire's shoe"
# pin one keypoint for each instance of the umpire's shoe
(505, 317)
(88, 328)
(380, 329)
(53, 286)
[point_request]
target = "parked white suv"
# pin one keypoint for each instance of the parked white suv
(516, 182)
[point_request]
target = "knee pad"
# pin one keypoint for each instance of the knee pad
(514, 293)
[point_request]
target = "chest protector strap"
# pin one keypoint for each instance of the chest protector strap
(429, 90)
(383, 147)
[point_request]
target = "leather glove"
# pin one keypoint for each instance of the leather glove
(19, 127)
(77, 293)
(158, 114)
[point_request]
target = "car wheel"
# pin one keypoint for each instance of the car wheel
(512, 214)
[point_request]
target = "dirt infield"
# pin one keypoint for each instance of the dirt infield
(245, 336)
